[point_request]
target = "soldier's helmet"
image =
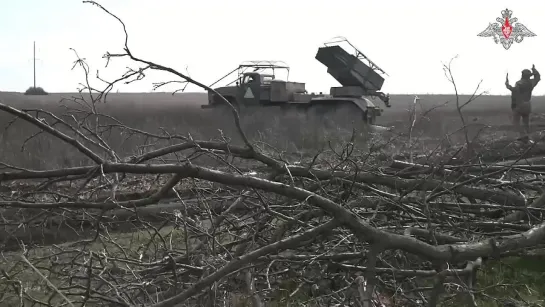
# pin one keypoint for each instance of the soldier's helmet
(526, 73)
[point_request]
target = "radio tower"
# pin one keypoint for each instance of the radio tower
(34, 90)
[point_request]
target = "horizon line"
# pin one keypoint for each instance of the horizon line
(181, 93)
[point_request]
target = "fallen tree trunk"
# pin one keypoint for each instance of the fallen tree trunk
(56, 226)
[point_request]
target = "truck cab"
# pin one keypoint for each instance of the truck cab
(253, 87)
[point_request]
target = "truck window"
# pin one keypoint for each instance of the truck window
(267, 80)
(249, 79)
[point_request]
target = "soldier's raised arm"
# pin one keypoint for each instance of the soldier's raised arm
(507, 85)
(537, 76)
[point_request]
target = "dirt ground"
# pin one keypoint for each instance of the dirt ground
(487, 117)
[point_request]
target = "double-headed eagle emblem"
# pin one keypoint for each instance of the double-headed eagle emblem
(506, 30)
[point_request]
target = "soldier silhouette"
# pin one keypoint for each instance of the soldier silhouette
(521, 96)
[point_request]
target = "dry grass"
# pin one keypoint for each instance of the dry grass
(514, 279)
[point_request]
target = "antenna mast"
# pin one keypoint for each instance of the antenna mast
(34, 62)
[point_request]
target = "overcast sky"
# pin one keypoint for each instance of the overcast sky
(409, 39)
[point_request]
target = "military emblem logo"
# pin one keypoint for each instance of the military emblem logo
(506, 30)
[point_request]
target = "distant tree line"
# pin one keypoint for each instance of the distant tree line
(35, 91)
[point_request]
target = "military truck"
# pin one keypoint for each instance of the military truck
(256, 86)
